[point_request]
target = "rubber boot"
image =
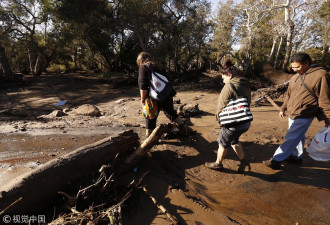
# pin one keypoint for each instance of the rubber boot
(178, 121)
(242, 165)
(182, 127)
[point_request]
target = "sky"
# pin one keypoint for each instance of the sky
(214, 4)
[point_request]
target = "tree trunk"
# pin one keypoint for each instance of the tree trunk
(288, 47)
(40, 187)
(278, 52)
(30, 62)
(4, 62)
(273, 49)
(290, 26)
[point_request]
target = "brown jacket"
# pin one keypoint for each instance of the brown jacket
(300, 103)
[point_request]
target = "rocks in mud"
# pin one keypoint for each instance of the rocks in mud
(87, 110)
(16, 112)
(66, 110)
(122, 100)
(57, 113)
(188, 110)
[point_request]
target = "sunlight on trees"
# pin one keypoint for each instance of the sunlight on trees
(69, 35)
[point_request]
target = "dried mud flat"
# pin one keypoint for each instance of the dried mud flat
(179, 181)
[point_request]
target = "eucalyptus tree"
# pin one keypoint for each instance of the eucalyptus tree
(34, 26)
(224, 28)
(188, 38)
(94, 22)
(6, 25)
(324, 25)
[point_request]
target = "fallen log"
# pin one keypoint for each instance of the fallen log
(147, 144)
(38, 188)
(272, 102)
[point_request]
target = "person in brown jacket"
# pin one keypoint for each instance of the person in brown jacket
(308, 96)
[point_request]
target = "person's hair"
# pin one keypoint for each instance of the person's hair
(229, 68)
(301, 58)
(145, 57)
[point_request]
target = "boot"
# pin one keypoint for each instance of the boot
(275, 165)
(178, 121)
(214, 165)
(242, 165)
(184, 130)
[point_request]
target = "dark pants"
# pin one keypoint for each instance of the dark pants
(167, 107)
(230, 136)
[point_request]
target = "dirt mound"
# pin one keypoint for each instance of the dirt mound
(275, 76)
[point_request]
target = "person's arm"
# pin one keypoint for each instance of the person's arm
(144, 83)
(223, 99)
(285, 103)
(143, 94)
(324, 98)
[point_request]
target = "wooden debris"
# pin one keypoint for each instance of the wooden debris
(108, 211)
(272, 102)
(173, 219)
(40, 186)
(270, 93)
(148, 144)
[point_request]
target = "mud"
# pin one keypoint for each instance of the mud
(179, 179)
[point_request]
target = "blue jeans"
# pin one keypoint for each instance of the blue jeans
(293, 137)
(298, 153)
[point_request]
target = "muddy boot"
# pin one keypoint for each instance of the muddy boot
(275, 165)
(184, 130)
(214, 165)
(242, 165)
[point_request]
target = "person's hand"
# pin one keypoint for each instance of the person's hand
(143, 102)
(282, 114)
(326, 123)
(217, 116)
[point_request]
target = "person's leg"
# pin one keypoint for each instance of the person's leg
(299, 150)
(294, 135)
(150, 126)
(224, 140)
(238, 149)
(168, 108)
(222, 152)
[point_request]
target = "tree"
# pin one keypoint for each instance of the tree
(5, 28)
(224, 24)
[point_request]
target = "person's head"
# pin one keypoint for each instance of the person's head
(229, 71)
(143, 57)
(300, 62)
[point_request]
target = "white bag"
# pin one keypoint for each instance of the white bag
(160, 87)
(319, 148)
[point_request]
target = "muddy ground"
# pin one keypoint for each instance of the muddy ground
(179, 181)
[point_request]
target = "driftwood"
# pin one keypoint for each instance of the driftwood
(173, 219)
(148, 144)
(270, 93)
(272, 102)
(108, 211)
(39, 187)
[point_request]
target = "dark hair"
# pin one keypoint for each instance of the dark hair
(145, 57)
(301, 58)
(227, 64)
(228, 67)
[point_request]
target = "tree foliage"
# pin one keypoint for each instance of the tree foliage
(54, 35)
